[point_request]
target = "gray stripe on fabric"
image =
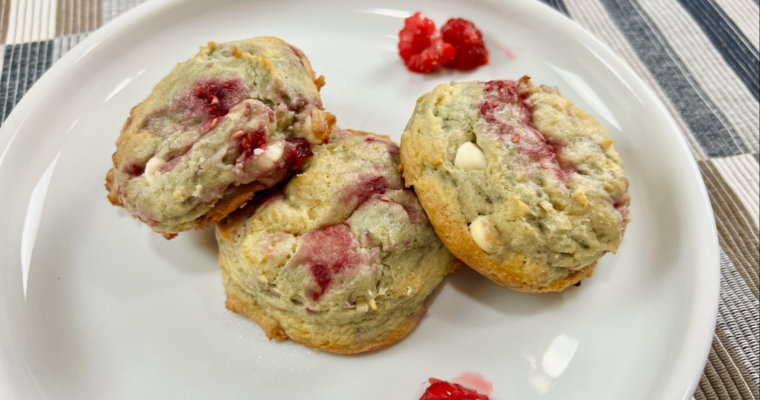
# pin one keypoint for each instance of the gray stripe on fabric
(707, 123)
(592, 16)
(63, 45)
(728, 39)
(23, 65)
(719, 81)
(557, 5)
(746, 16)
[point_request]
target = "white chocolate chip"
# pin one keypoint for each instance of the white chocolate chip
(484, 234)
(152, 169)
(198, 190)
(372, 303)
(274, 152)
(267, 158)
(470, 156)
(307, 124)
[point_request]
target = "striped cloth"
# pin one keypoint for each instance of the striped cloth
(700, 56)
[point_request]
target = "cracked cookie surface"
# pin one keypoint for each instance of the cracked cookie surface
(234, 119)
(340, 258)
(518, 182)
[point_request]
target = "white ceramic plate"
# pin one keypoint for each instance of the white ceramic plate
(96, 306)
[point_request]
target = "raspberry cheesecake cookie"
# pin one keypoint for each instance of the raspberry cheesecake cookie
(519, 183)
(341, 257)
(232, 120)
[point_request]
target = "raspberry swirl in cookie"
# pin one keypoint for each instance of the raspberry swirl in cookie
(340, 258)
(518, 182)
(236, 118)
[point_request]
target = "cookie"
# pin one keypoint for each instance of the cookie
(234, 119)
(341, 257)
(519, 183)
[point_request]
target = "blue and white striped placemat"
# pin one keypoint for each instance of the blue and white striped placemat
(700, 56)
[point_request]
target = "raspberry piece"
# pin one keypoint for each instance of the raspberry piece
(135, 169)
(420, 45)
(467, 42)
(219, 96)
(251, 141)
(442, 390)
(327, 252)
(296, 151)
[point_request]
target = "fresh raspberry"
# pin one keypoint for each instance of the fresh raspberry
(421, 46)
(468, 43)
(442, 390)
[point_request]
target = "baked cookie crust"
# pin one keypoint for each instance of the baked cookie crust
(340, 258)
(518, 182)
(236, 118)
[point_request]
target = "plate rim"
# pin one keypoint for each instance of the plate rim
(708, 286)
